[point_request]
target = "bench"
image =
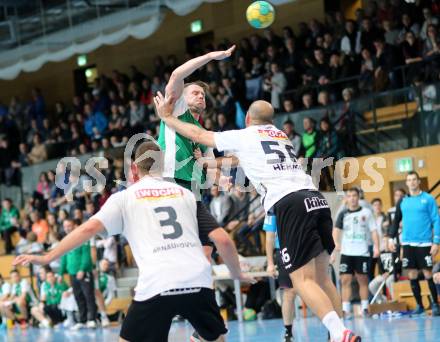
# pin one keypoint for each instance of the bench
(392, 113)
(403, 293)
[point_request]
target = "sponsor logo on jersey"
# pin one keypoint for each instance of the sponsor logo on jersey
(271, 133)
(315, 203)
(158, 194)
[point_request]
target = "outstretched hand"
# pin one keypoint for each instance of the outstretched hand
(164, 105)
(219, 55)
(26, 259)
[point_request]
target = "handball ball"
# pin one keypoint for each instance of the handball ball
(260, 14)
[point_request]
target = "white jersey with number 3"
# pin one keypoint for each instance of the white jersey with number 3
(268, 160)
(159, 220)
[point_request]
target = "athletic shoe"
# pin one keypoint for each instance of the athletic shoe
(105, 322)
(45, 324)
(349, 336)
(195, 337)
(68, 323)
(91, 325)
(288, 337)
(78, 326)
(418, 311)
(435, 309)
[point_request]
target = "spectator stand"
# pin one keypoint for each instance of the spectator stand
(380, 122)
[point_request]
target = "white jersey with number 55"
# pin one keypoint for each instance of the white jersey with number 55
(160, 221)
(268, 160)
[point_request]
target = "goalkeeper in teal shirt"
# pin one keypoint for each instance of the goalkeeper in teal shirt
(420, 240)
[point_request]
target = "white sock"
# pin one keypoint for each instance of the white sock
(364, 304)
(346, 307)
(334, 325)
(103, 314)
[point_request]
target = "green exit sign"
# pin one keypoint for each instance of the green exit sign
(404, 165)
(196, 26)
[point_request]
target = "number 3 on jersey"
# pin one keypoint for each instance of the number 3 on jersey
(273, 147)
(170, 221)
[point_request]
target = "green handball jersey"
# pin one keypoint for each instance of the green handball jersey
(179, 161)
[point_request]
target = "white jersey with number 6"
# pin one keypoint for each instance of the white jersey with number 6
(268, 160)
(159, 220)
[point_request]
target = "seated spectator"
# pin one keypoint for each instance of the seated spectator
(48, 312)
(310, 138)
(39, 226)
(22, 159)
(390, 33)
(106, 290)
(239, 212)
(431, 51)
(328, 145)
(429, 20)
(6, 160)
(412, 49)
(8, 219)
(294, 137)
(5, 289)
(43, 186)
(225, 103)
(366, 79)
(321, 67)
(278, 84)
(223, 124)
(408, 25)
(19, 298)
(136, 114)
(307, 100)
(348, 41)
(253, 226)
(38, 152)
(30, 245)
(221, 205)
(95, 123)
(288, 106)
(412, 53)
(366, 36)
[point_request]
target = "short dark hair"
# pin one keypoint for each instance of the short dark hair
(201, 84)
(403, 191)
(148, 157)
(77, 222)
(413, 173)
(14, 270)
(377, 199)
(354, 189)
(288, 122)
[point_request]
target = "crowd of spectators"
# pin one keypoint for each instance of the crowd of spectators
(294, 71)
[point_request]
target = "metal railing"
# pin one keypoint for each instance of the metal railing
(381, 122)
(400, 76)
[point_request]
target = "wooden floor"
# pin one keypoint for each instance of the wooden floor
(405, 329)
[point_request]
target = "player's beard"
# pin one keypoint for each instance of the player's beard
(196, 111)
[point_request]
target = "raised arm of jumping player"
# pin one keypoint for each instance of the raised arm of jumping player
(174, 87)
